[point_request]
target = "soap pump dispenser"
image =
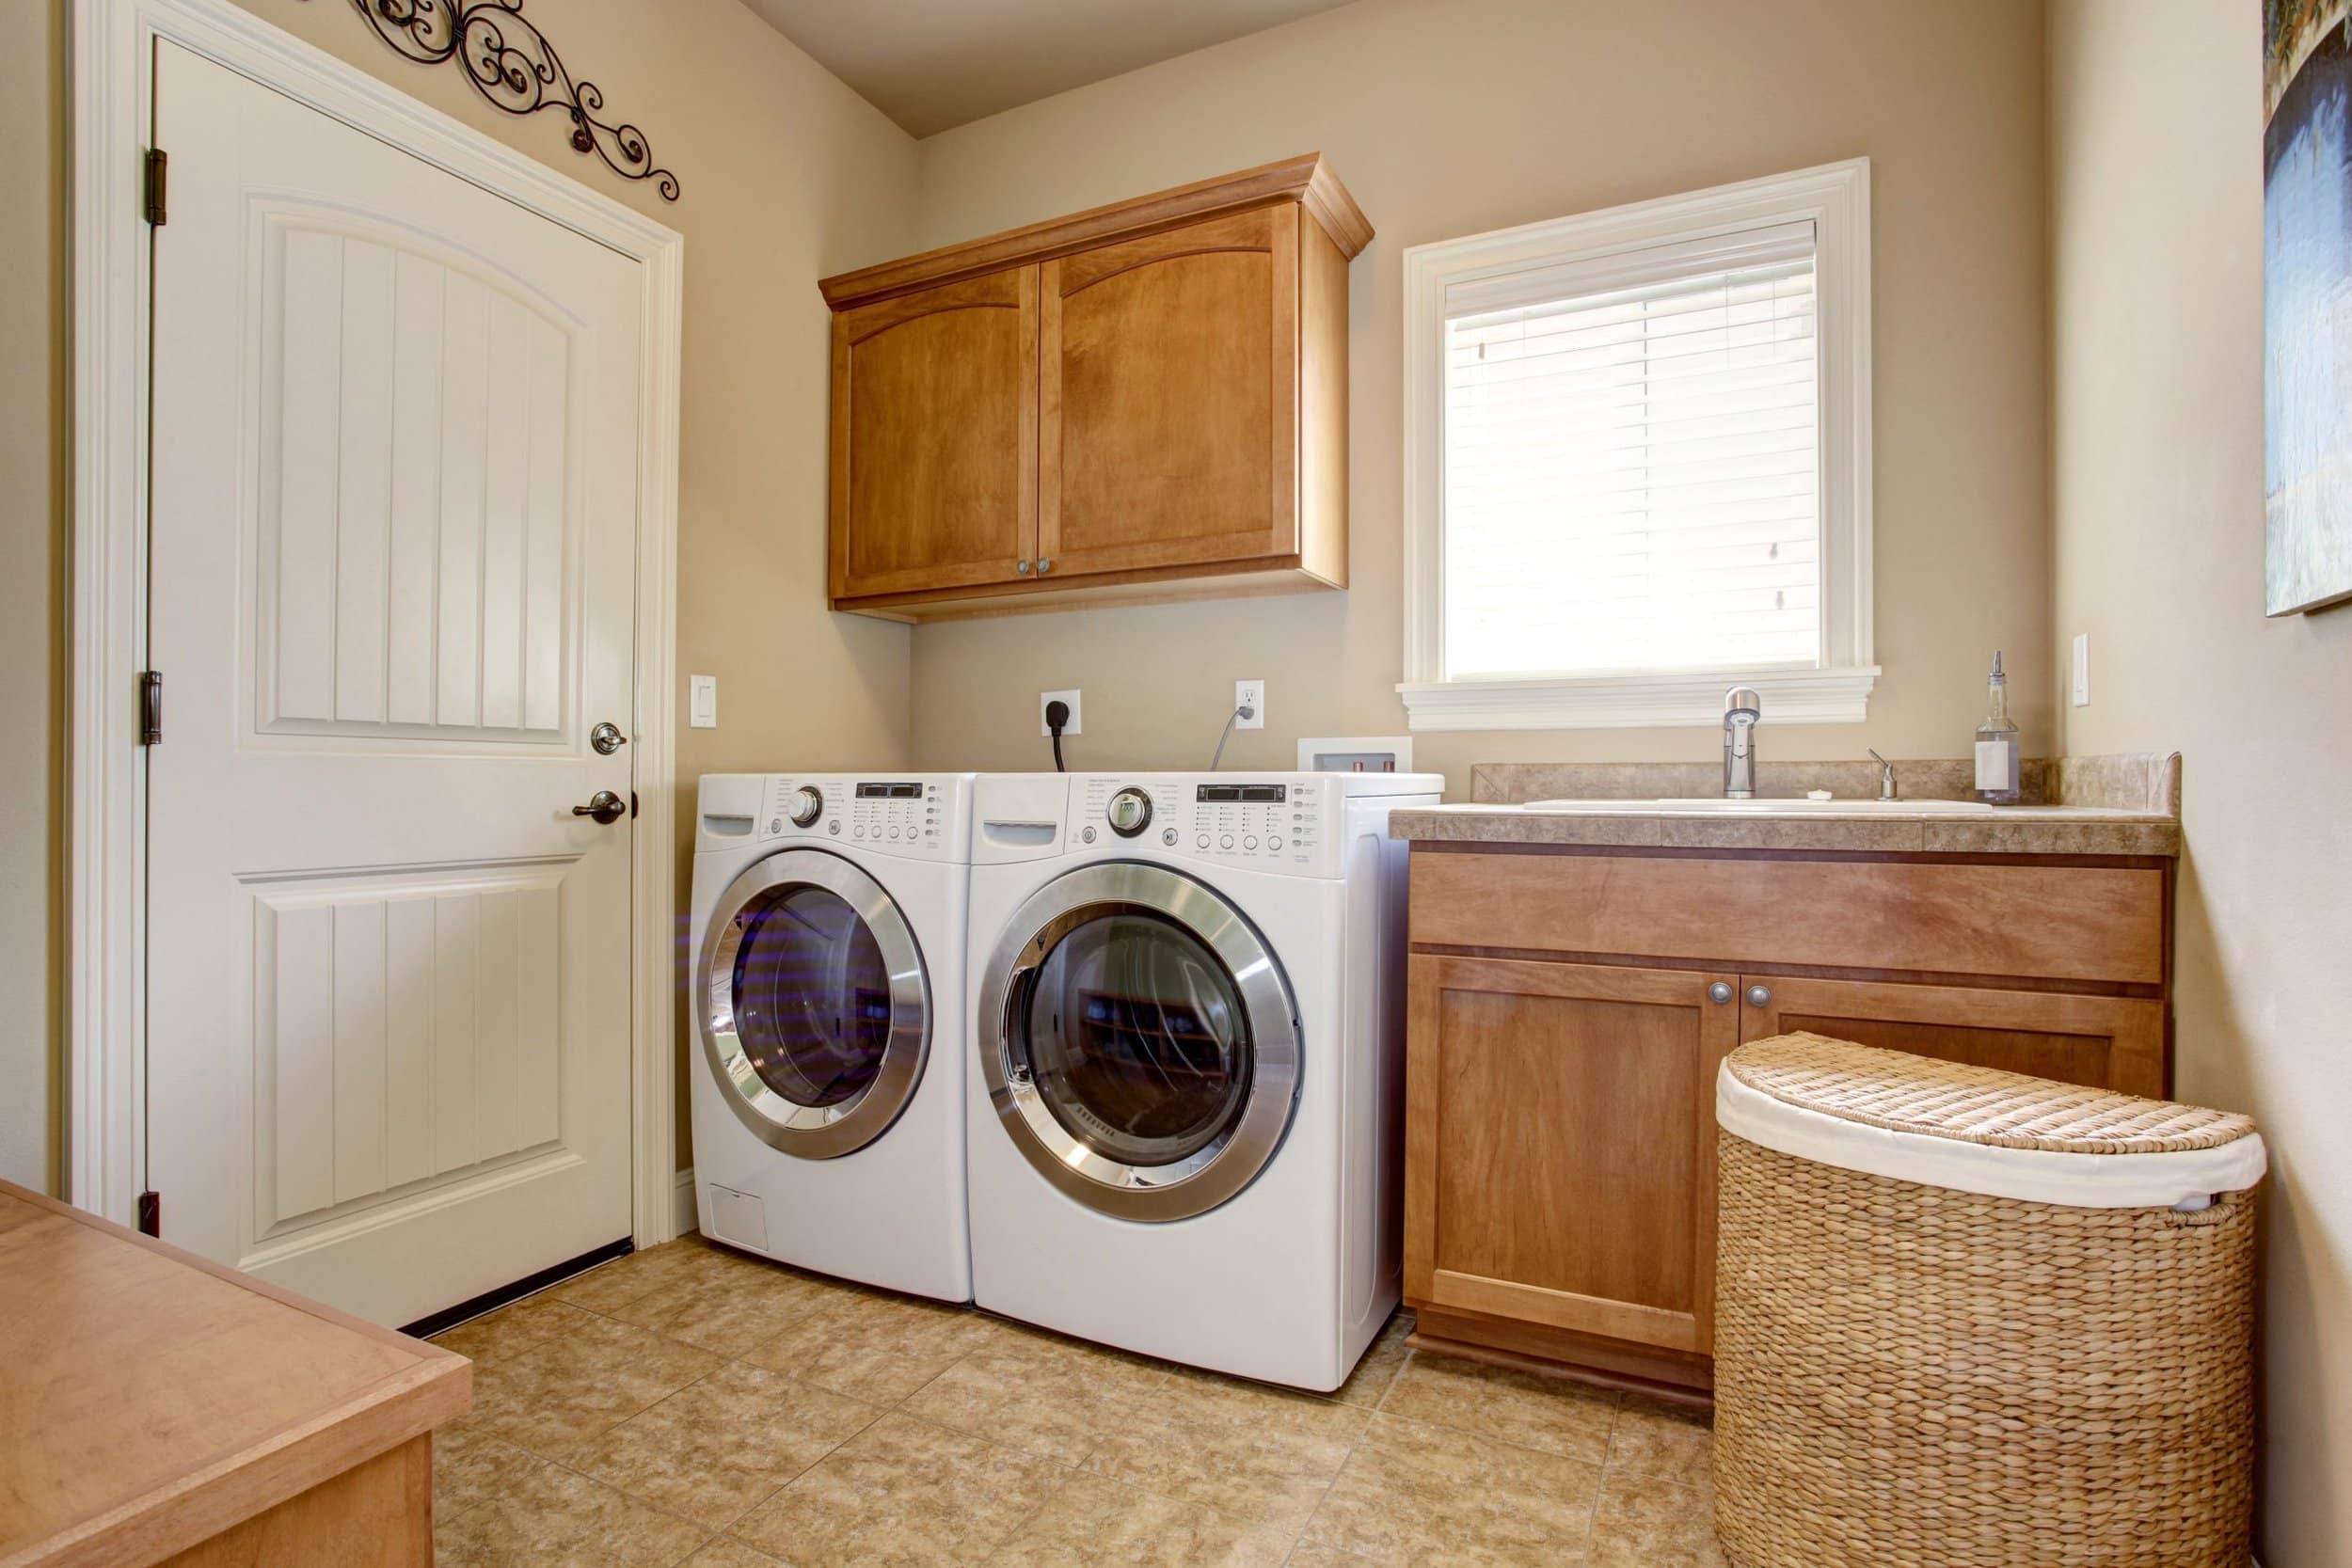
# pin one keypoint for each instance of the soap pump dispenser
(1997, 761)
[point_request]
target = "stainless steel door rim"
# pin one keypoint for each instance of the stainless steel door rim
(814, 1131)
(1230, 1161)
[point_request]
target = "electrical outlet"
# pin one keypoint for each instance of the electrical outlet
(1251, 695)
(1046, 697)
(702, 702)
(2082, 669)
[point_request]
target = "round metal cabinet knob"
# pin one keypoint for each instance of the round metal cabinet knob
(1720, 991)
(808, 803)
(1022, 567)
(1130, 811)
(1759, 996)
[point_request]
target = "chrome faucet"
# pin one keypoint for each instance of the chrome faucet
(1887, 774)
(1742, 709)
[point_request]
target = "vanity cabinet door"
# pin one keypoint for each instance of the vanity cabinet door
(2109, 1043)
(1560, 1147)
(934, 438)
(1169, 377)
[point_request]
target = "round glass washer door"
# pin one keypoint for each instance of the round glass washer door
(816, 1010)
(1139, 1041)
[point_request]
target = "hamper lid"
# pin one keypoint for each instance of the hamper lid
(1981, 1130)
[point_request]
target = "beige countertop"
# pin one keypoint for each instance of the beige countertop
(1866, 826)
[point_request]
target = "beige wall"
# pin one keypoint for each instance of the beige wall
(787, 176)
(2156, 398)
(1450, 119)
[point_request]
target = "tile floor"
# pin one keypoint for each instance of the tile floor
(693, 1405)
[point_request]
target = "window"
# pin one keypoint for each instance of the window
(1638, 462)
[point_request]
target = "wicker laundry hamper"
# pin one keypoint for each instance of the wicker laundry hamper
(1970, 1319)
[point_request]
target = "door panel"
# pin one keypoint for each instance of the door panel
(393, 558)
(934, 438)
(1509, 1211)
(2105, 1042)
(1169, 387)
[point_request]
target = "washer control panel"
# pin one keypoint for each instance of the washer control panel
(1237, 820)
(899, 815)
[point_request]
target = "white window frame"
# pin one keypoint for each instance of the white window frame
(1836, 199)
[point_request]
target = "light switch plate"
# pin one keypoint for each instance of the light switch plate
(2082, 669)
(1251, 695)
(702, 702)
(1069, 697)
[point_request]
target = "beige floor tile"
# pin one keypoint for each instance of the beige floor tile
(502, 1335)
(1417, 1494)
(1655, 1441)
(624, 1279)
(471, 1466)
(1526, 1408)
(874, 1346)
(1092, 1521)
(899, 1493)
(546, 1514)
(568, 1390)
(727, 1309)
(724, 1553)
(715, 1448)
(1308, 1554)
(1654, 1524)
(1381, 1361)
(1260, 1453)
(1042, 1394)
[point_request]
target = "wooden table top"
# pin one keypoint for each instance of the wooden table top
(150, 1399)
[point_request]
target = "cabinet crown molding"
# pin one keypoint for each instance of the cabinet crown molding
(1306, 179)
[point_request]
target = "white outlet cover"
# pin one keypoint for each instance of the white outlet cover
(1075, 712)
(702, 702)
(1251, 694)
(2082, 669)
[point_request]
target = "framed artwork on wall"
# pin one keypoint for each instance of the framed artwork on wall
(2307, 304)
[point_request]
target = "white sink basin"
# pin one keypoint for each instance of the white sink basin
(1768, 808)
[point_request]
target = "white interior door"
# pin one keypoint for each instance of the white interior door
(391, 579)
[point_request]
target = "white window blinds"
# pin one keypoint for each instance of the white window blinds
(1632, 463)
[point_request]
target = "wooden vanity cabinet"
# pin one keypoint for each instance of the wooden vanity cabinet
(1146, 400)
(1568, 1012)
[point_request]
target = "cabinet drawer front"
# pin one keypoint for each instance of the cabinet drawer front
(934, 438)
(2096, 924)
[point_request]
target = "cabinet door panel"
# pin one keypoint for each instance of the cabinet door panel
(1560, 1150)
(934, 438)
(1169, 398)
(2105, 1042)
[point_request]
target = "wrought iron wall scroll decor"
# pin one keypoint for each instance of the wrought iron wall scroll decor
(513, 66)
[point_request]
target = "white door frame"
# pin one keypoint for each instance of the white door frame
(113, 45)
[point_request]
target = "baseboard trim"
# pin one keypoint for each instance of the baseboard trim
(682, 1220)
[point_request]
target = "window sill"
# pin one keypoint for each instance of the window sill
(1636, 702)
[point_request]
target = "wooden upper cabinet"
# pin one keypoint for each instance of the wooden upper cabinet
(1147, 400)
(1166, 383)
(934, 436)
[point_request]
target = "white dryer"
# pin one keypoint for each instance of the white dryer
(1187, 998)
(827, 970)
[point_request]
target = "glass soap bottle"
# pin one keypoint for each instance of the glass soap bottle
(1998, 762)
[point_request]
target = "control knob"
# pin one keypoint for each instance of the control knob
(1130, 811)
(808, 805)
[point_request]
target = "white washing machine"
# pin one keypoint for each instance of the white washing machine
(1188, 997)
(827, 949)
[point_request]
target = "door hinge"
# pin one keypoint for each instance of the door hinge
(151, 1214)
(151, 707)
(158, 170)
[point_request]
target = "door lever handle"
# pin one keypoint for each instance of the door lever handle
(605, 806)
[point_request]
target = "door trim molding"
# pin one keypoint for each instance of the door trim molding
(111, 46)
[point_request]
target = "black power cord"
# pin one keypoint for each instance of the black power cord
(1056, 715)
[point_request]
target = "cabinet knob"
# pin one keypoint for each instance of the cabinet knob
(1022, 567)
(1043, 566)
(1720, 991)
(1759, 996)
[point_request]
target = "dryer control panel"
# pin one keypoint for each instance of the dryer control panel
(1277, 825)
(909, 814)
